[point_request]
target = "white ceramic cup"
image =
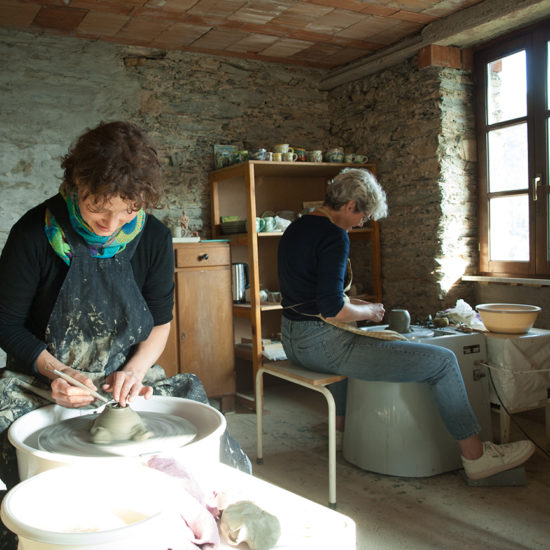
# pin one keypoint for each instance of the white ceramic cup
(283, 148)
(290, 157)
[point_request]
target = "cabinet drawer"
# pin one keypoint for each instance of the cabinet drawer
(201, 255)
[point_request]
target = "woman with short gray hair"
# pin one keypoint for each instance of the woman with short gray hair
(318, 321)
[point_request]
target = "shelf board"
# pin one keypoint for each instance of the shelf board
(241, 239)
(271, 168)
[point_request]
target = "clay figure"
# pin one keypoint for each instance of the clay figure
(118, 423)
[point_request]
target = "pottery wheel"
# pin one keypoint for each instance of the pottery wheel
(72, 436)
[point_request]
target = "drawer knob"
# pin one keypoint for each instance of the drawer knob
(203, 257)
(183, 335)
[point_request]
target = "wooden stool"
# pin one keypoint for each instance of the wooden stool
(314, 381)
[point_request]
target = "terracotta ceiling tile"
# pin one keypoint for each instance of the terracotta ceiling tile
(380, 10)
(286, 47)
(102, 23)
(15, 14)
(216, 8)
(120, 8)
(446, 7)
(59, 18)
(218, 40)
(273, 29)
(253, 43)
(353, 5)
(414, 5)
(171, 6)
(366, 28)
(259, 12)
(301, 14)
(124, 7)
(335, 21)
(180, 35)
(396, 32)
(144, 29)
(414, 17)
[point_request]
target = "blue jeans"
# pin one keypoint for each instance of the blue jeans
(325, 348)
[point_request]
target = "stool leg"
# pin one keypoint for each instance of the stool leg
(259, 411)
(331, 446)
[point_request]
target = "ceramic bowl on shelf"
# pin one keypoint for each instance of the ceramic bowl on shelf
(508, 318)
(237, 226)
(287, 214)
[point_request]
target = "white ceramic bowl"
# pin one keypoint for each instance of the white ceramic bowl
(94, 508)
(508, 318)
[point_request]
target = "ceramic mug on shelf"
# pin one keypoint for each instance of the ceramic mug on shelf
(290, 157)
(300, 154)
(257, 154)
(277, 157)
(260, 224)
(349, 158)
(335, 154)
(315, 156)
(283, 148)
(360, 159)
(269, 224)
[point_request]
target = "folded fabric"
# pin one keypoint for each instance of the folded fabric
(197, 509)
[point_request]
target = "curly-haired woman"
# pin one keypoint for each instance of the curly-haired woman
(87, 288)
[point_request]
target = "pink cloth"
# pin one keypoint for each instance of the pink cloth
(197, 509)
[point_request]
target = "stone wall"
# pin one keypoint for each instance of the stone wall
(416, 126)
(54, 88)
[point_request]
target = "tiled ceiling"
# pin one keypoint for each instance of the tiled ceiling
(317, 33)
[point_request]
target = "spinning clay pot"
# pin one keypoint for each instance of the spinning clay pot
(118, 423)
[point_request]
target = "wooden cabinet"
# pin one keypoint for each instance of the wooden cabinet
(249, 189)
(201, 335)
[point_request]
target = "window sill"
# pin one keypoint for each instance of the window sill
(507, 280)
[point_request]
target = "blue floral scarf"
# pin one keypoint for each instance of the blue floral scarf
(100, 247)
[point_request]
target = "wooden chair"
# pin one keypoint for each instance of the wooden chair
(314, 381)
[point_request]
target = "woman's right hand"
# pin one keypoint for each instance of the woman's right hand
(375, 312)
(71, 396)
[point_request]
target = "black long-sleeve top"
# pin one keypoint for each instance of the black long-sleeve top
(31, 275)
(312, 260)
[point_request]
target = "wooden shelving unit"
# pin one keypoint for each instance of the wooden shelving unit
(247, 190)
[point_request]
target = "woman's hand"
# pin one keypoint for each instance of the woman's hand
(360, 310)
(375, 312)
(71, 396)
(125, 386)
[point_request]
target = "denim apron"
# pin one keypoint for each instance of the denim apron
(99, 317)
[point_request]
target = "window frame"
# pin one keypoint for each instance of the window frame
(534, 41)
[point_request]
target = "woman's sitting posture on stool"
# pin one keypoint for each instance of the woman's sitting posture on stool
(316, 334)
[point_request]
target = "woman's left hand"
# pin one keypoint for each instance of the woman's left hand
(125, 386)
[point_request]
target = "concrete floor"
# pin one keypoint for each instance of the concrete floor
(441, 512)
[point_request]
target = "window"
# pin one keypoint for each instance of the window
(513, 125)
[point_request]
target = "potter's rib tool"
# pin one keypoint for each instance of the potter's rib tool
(75, 382)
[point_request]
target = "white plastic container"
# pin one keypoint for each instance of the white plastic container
(94, 508)
(202, 452)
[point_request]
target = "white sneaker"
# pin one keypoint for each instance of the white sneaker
(498, 458)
